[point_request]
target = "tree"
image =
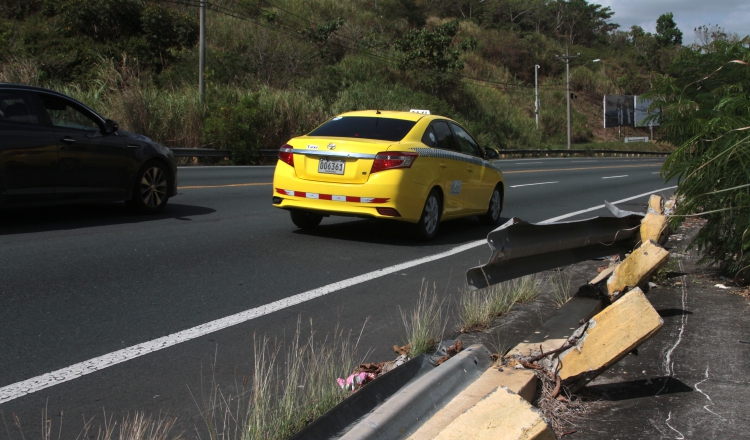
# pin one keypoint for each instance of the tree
(705, 102)
(431, 54)
(583, 23)
(667, 33)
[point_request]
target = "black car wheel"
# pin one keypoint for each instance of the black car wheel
(429, 223)
(305, 219)
(151, 189)
(494, 209)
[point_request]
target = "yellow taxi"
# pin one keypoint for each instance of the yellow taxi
(409, 166)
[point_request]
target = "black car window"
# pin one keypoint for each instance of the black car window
(63, 113)
(444, 136)
(385, 129)
(429, 138)
(16, 107)
(466, 143)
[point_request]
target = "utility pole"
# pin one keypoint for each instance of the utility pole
(536, 95)
(567, 59)
(202, 52)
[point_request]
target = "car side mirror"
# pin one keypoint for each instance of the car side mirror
(110, 126)
(491, 153)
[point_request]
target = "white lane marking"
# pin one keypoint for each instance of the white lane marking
(615, 177)
(594, 208)
(38, 383)
(668, 363)
(583, 161)
(532, 184)
(656, 172)
(525, 161)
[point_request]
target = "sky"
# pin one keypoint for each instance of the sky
(732, 15)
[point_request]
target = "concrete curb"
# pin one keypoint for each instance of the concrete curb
(403, 413)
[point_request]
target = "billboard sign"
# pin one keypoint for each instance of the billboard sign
(619, 111)
(641, 112)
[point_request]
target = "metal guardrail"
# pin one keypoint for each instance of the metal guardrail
(210, 152)
(520, 248)
(564, 153)
(200, 152)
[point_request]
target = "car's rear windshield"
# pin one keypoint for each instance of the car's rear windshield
(385, 129)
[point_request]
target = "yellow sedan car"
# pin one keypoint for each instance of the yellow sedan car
(408, 166)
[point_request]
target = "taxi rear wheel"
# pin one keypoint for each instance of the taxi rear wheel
(427, 227)
(305, 219)
(494, 209)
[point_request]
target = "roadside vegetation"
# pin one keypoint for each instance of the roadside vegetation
(705, 97)
(276, 69)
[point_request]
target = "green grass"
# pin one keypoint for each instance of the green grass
(478, 308)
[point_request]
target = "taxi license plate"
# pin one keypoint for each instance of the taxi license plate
(326, 166)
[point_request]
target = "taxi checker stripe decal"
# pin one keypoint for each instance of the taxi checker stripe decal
(453, 155)
(308, 195)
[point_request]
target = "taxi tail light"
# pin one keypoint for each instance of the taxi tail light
(286, 155)
(389, 160)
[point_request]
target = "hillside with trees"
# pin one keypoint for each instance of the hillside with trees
(278, 68)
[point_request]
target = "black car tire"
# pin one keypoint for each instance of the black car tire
(305, 219)
(429, 223)
(492, 217)
(151, 189)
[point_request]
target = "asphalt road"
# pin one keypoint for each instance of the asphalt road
(79, 283)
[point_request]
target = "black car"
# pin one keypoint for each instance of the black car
(55, 150)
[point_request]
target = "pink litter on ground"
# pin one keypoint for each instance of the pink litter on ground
(355, 381)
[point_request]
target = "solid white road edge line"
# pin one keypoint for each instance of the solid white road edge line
(594, 208)
(615, 177)
(532, 184)
(38, 383)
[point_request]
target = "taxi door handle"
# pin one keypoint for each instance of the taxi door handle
(443, 165)
(471, 170)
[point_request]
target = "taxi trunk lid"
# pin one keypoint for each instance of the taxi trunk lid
(335, 160)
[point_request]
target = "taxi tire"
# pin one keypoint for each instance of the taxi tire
(429, 222)
(150, 190)
(305, 219)
(492, 217)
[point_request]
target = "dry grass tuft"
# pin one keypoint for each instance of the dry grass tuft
(287, 390)
(423, 324)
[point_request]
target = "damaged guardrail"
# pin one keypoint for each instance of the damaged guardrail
(520, 248)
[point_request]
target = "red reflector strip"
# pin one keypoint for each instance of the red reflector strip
(334, 198)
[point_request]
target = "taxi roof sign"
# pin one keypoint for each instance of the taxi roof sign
(423, 112)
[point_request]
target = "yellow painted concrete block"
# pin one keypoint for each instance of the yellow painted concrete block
(611, 334)
(655, 204)
(502, 415)
(654, 227)
(637, 268)
(521, 382)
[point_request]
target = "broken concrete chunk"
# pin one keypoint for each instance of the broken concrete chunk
(654, 227)
(655, 204)
(669, 206)
(637, 268)
(502, 415)
(609, 336)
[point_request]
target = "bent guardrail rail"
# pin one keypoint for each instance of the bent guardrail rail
(520, 248)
